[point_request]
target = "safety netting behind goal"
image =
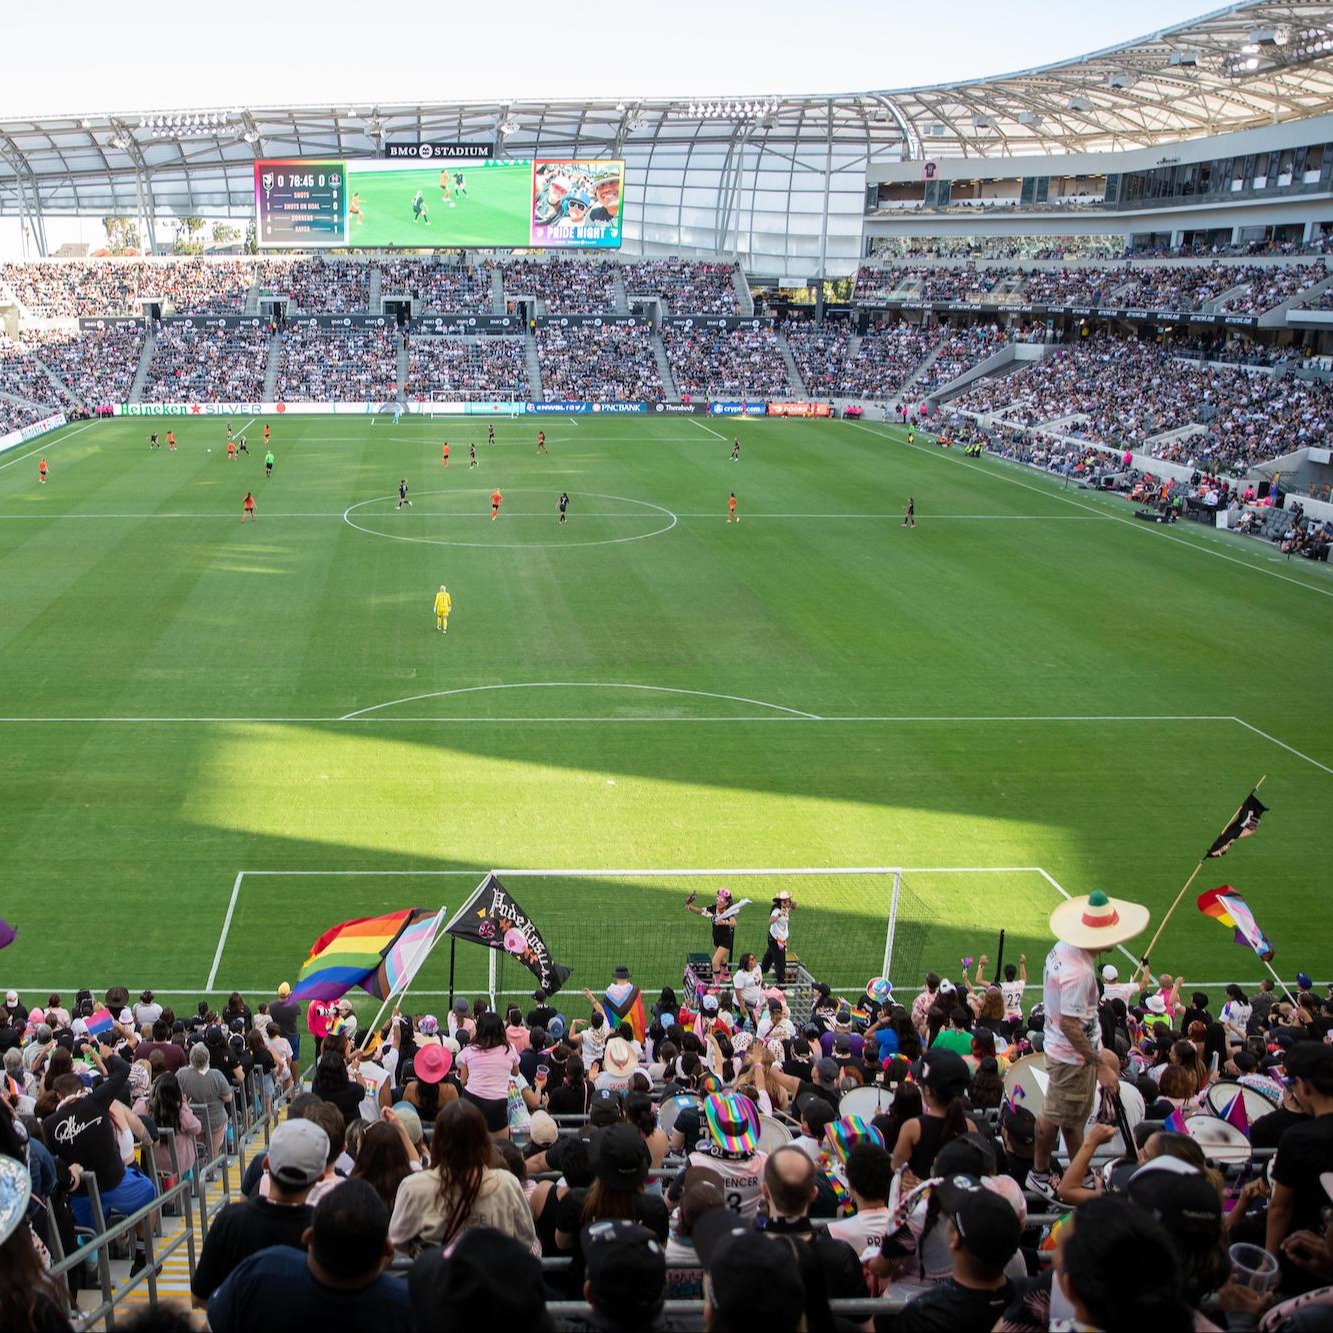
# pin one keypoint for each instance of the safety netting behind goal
(842, 927)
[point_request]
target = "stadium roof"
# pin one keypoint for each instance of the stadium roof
(1243, 67)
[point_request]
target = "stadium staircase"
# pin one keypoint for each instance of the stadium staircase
(497, 290)
(622, 298)
(63, 393)
(534, 368)
(1152, 443)
(793, 371)
(743, 297)
(141, 374)
(1277, 316)
(251, 306)
(664, 369)
(375, 300)
(272, 366)
(925, 365)
(1004, 362)
(404, 361)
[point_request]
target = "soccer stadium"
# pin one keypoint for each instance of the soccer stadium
(718, 684)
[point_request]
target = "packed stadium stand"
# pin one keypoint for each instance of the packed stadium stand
(452, 288)
(726, 362)
(685, 289)
(563, 286)
(467, 369)
(323, 364)
(192, 363)
(607, 362)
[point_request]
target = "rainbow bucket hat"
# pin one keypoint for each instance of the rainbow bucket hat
(843, 1135)
(733, 1123)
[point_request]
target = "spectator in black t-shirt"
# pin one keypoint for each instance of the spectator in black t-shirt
(296, 1157)
(286, 1014)
(1305, 1151)
(540, 1015)
(983, 1236)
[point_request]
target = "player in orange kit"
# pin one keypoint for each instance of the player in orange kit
(496, 497)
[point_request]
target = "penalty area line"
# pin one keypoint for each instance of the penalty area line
(226, 930)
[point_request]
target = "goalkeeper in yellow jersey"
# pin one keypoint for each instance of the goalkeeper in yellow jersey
(443, 605)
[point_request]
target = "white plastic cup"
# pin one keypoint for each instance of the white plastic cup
(1252, 1266)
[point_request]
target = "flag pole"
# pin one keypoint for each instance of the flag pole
(1152, 944)
(1280, 982)
(422, 953)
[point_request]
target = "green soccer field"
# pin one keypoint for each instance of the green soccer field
(496, 210)
(219, 739)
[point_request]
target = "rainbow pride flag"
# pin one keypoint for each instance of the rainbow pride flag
(364, 953)
(1227, 907)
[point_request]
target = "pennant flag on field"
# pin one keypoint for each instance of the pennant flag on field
(1245, 823)
(1236, 1114)
(1174, 1123)
(8, 934)
(1225, 905)
(100, 1021)
(492, 918)
(353, 952)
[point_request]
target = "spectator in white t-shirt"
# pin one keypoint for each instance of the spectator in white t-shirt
(1115, 989)
(1015, 979)
(1083, 927)
(869, 1174)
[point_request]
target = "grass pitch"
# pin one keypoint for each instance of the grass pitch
(495, 210)
(1028, 680)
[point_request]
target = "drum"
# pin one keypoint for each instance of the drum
(1222, 1143)
(1027, 1078)
(671, 1107)
(866, 1102)
(773, 1134)
(1256, 1100)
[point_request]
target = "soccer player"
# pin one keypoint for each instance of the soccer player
(911, 434)
(472, 455)
(397, 413)
(443, 605)
(268, 464)
(909, 516)
(564, 505)
(445, 197)
(496, 497)
(354, 207)
(171, 441)
(419, 209)
(242, 447)
(231, 451)
(152, 441)
(248, 508)
(731, 509)
(490, 433)
(460, 185)
(444, 454)
(541, 443)
(402, 494)
(736, 450)
(229, 430)
(41, 472)
(268, 430)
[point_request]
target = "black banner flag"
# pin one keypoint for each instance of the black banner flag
(1245, 823)
(491, 917)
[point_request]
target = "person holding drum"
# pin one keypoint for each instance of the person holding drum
(1083, 927)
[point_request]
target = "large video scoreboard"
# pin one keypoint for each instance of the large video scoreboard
(310, 203)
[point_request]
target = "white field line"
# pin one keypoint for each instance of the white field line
(788, 716)
(550, 515)
(1113, 518)
(34, 453)
(226, 930)
(1064, 893)
(1290, 749)
(709, 429)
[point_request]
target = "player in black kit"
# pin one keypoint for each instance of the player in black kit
(564, 505)
(909, 518)
(402, 494)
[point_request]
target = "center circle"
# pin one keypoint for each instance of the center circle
(660, 510)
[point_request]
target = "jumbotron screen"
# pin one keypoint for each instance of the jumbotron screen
(305, 203)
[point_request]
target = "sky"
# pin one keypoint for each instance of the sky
(87, 57)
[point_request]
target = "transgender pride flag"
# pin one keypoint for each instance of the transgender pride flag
(380, 954)
(404, 957)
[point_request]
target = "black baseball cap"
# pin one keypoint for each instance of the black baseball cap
(986, 1223)
(620, 1157)
(604, 1107)
(1182, 1200)
(966, 1155)
(817, 1112)
(489, 1280)
(752, 1278)
(1021, 1124)
(1311, 1061)
(945, 1073)
(626, 1267)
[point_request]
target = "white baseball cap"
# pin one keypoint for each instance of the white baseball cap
(1109, 973)
(11, 997)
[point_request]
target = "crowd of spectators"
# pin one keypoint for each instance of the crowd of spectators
(685, 288)
(959, 352)
(97, 367)
(15, 416)
(564, 286)
(22, 373)
(1126, 392)
(453, 289)
(317, 286)
(1270, 285)
(608, 364)
(503, 1160)
(998, 247)
(726, 362)
(317, 365)
(191, 364)
(889, 355)
(66, 288)
(468, 369)
(820, 353)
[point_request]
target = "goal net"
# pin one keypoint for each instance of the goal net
(844, 928)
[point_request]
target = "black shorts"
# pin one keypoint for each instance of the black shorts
(495, 1110)
(723, 934)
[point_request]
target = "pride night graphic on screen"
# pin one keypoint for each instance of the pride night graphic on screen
(301, 202)
(374, 203)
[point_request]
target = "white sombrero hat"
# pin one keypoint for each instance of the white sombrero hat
(1097, 921)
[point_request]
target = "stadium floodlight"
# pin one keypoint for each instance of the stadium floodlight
(1182, 58)
(1079, 103)
(1122, 79)
(1264, 37)
(620, 108)
(1252, 63)
(119, 141)
(1029, 118)
(250, 136)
